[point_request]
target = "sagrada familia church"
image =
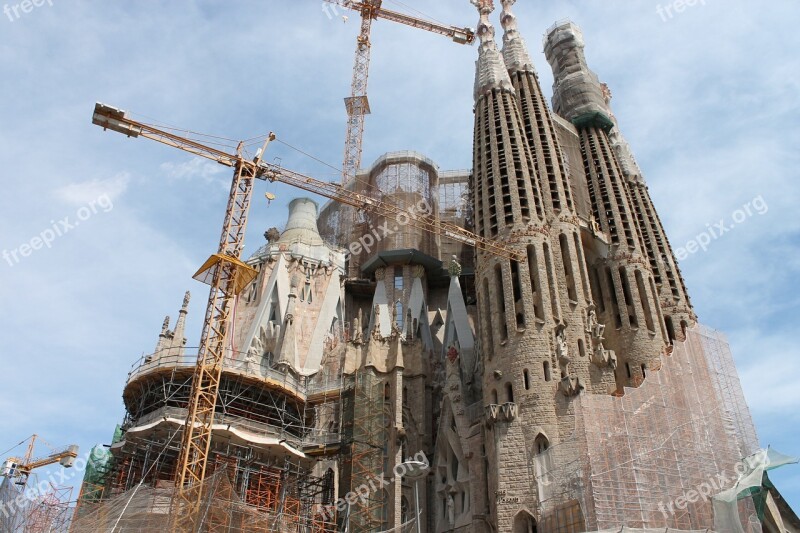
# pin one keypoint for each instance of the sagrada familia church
(571, 390)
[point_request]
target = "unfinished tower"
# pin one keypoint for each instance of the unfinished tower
(276, 415)
(570, 389)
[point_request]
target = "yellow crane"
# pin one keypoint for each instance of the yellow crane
(357, 104)
(227, 275)
(20, 468)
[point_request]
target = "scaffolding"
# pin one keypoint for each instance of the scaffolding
(34, 507)
(644, 460)
(270, 429)
(365, 459)
(51, 512)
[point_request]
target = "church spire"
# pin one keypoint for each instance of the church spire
(515, 52)
(490, 71)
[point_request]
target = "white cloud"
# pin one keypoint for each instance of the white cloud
(86, 192)
(197, 169)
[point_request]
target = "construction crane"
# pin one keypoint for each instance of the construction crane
(357, 104)
(20, 468)
(228, 276)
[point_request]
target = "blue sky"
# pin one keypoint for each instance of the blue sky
(708, 100)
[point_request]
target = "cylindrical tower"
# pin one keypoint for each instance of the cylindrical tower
(529, 326)
(572, 300)
(675, 303)
(621, 278)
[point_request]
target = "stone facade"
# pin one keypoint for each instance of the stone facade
(399, 344)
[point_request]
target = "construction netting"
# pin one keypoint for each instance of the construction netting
(269, 508)
(27, 506)
(656, 456)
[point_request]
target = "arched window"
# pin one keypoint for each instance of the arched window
(509, 393)
(546, 367)
(524, 523)
(404, 510)
(494, 396)
(526, 378)
(541, 444)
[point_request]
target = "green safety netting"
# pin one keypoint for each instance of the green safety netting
(98, 465)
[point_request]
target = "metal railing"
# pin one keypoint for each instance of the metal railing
(236, 362)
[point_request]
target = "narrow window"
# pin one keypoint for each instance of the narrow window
(644, 370)
(519, 308)
(648, 310)
(626, 292)
(398, 279)
(533, 270)
(670, 329)
(526, 378)
(486, 319)
(614, 301)
(551, 280)
(546, 366)
(581, 348)
(501, 302)
(509, 393)
(597, 291)
(569, 275)
(494, 396)
(582, 265)
(628, 369)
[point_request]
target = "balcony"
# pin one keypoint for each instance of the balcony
(170, 360)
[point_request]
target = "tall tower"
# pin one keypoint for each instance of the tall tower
(623, 283)
(674, 299)
(572, 301)
(534, 313)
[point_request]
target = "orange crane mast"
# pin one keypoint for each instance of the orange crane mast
(357, 104)
(227, 275)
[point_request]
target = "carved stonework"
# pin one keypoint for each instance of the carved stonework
(452, 354)
(562, 351)
(380, 274)
(418, 271)
(506, 412)
(570, 386)
(454, 268)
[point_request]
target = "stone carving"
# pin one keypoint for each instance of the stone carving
(186, 298)
(451, 512)
(272, 235)
(594, 327)
(506, 412)
(562, 350)
(380, 274)
(418, 271)
(358, 335)
(376, 329)
(570, 386)
(454, 268)
(452, 353)
(603, 357)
